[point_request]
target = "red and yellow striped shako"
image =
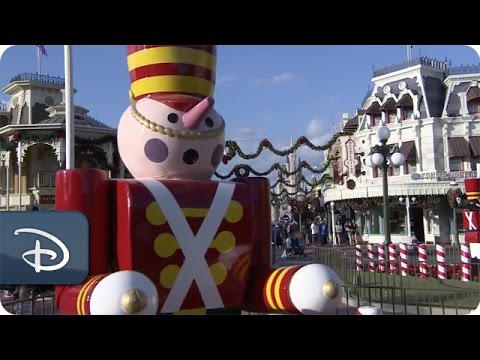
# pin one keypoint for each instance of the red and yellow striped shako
(179, 75)
(472, 189)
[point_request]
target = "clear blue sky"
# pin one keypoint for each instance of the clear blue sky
(274, 92)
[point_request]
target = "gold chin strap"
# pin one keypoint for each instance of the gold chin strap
(190, 135)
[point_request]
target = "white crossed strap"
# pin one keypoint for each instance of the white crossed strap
(195, 266)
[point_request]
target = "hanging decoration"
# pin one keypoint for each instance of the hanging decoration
(323, 180)
(452, 195)
(243, 170)
(232, 149)
(429, 202)
(292, 194)
(34, 137)
(351, 184)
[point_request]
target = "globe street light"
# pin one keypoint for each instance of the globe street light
(383, 156)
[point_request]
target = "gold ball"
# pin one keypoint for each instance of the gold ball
(331, 289)
(134, 301)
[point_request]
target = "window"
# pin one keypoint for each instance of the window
(376, 119)
(474, 162)
(407, 113)
(394, 171)
(456, 163)
(398, 220)
(474, 106)
(410, 166)
(391, 116)
(473, 100)
(374, 219)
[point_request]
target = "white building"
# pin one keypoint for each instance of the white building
(433, 113)
(32, 141)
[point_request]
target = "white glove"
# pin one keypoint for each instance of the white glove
(316, 289)
(124, 293)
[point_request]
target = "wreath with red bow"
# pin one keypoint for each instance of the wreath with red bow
(351, 184)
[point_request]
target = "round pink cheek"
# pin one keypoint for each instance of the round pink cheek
(156, 150)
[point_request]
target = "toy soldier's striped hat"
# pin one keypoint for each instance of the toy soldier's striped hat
(178, 75)
(472, 189)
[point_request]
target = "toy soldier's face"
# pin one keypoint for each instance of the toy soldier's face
(170, 145)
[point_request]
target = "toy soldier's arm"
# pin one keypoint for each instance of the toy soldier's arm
(304, 289)
(86, 191)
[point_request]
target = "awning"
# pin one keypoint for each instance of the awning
(458, 146)
(475, 145)
(409, 151)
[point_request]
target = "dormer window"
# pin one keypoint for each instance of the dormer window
(473, 100)
(390, 111)
(406, 107)
(375, 114)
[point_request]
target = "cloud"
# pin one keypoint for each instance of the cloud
(245, 134)
(283, 78)
(276, 79)
(319, 128)
(225, 79)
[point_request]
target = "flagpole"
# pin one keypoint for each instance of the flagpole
(39, 66)
(69, 115)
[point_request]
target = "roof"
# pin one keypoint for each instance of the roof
(351, 124)
(79, 121)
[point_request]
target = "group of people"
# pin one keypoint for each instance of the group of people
(346, 233)
(286, 236)
(316, 232)
(289, 238)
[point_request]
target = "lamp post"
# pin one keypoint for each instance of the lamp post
(454, 220)
(383, 156)
(407, 207)
(332, 207)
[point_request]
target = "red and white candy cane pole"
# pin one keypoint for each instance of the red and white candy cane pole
(404, 259)
(371, 258)
(442, 272)
(465, 260)
(381, 258)
(358, 258)
(422, 259)
(392, 254)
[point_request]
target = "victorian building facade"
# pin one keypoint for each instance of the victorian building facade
(32, 141)
(433, 113)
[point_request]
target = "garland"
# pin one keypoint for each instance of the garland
(452, 195)
(351, 184)
(12, 141)
(232, 148)
(324, 179)
(244, 170)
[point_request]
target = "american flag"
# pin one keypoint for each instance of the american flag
(42, 50)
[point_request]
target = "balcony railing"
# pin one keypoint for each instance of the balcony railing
(422, 60)
(464, 69)
(45, 79)
(44, 180)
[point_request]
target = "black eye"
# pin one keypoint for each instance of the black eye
(173, 118)
(209, 122)
(190, 157)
